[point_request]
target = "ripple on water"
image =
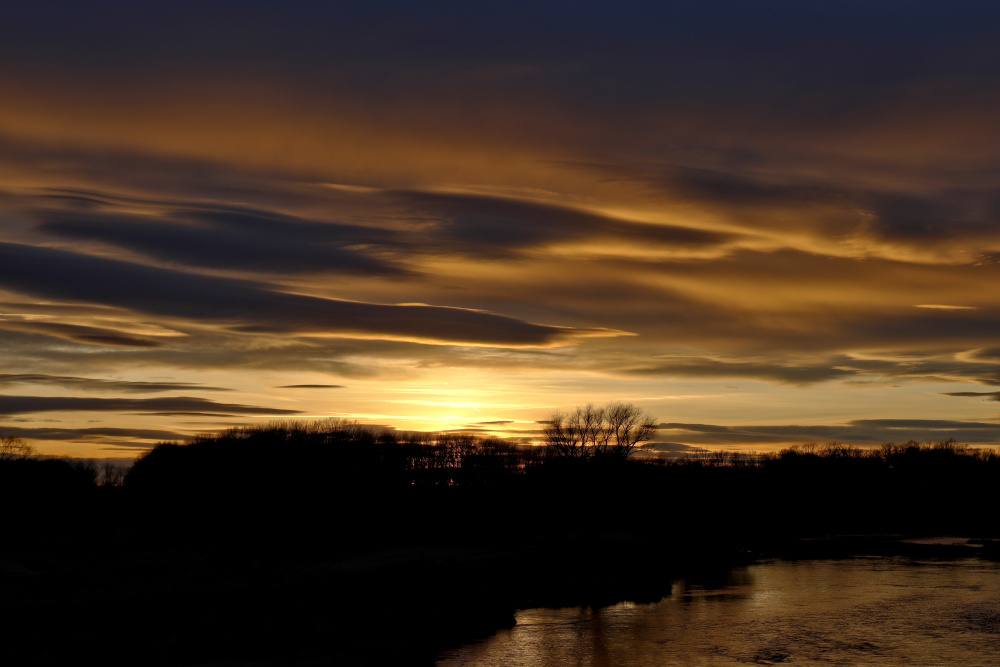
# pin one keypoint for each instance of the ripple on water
(871, 611)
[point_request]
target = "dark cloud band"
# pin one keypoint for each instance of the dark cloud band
(250, 307)
(93, 384)
(16, 405)
(858, 431)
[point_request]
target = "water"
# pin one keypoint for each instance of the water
(864, 611)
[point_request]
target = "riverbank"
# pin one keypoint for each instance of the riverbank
(134, 604)
(400, 605)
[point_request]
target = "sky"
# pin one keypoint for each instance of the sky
(763, 223)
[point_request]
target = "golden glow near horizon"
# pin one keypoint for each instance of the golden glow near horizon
(272, 219)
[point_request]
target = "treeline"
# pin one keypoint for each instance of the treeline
(462, 485)
(379, 486)
(264, 456)
(886, 456)
(330, 453)
(944, 488)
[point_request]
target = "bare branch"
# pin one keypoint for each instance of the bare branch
(12, 448)
(614, 430)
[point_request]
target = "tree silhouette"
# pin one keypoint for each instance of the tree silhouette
(613, 430)
(12, 449)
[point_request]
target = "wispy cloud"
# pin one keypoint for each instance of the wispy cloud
(238, 240)
(858, 431)
(310, 386)
(986, 395)
(252, 307)
(94, 384)
(17, 405)
(120, 437)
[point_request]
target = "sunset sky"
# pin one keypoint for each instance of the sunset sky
(764, 223)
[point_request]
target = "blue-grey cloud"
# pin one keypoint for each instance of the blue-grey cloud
(497, 227)
(247, 306)
(245, 239)
(750, 189)
(732, 185)
(932, 218)
(237, 240)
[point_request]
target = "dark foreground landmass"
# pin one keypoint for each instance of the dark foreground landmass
(312, 546)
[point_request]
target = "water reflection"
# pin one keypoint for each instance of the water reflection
(736, 583)
(872, 611)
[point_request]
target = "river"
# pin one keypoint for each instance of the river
(858, 611)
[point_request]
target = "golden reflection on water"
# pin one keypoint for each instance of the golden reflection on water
(865, 611)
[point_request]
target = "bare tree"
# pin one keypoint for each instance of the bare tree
(627, 426)
(12, 448)
(574, 434)
(113, 473)
(614, 430)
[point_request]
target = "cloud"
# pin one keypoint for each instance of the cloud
(93, 384)
(778, 202)
(966, 213)
(105, 327)
(668, 448)
(736, 188)
(502, 227)
(251, 307)
(185, 414)
(989, 395)
(804, 369)
(242, 240)
(218, 350)
(311, 386)
(858, 431)
(14, 405)
(411, 225)
(108, 435)
(784, 373)
(84, 335)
